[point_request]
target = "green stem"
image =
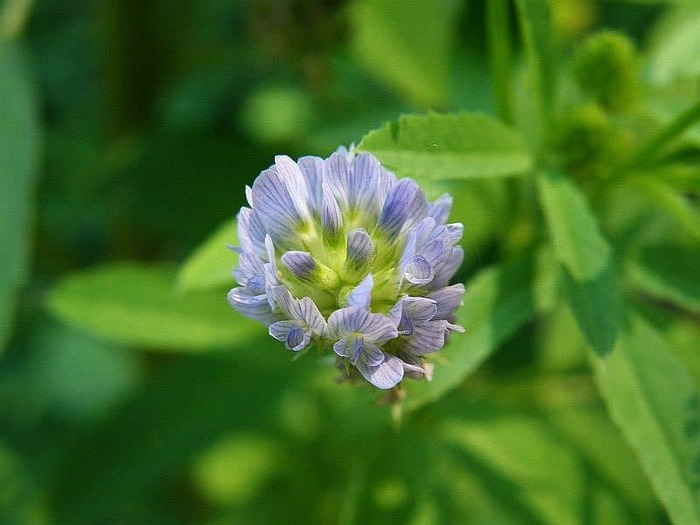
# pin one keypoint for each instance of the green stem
(497, 17)
(649, 150)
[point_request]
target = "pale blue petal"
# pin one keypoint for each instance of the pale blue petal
(312, 169)
(331, 217)
(363, 184)
(427, 337)
(301, 264)
(256, 307)
(371, 354)
(386, 375)
(419, 271)
(294, 336)
(454, 232)
(249, 266)
(349, 347)
(440, 209)
(395, 313)
(448, 299)
(447, 268)
(280, 208)
(251, 231)
(337, 176)
(376, 328)
(311, 316)
(419, 308)
(404, 207)
(360, 249)
(361, 295)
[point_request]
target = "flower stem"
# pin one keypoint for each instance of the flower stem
(497, 18)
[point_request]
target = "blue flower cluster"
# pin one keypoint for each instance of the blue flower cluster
(340, 254)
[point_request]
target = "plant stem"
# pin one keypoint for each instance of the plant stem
(647, 152)
(497, 18)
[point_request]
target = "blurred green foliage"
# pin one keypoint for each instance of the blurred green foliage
(131, 393)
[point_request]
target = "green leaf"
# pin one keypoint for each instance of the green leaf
(673, 202)
(406, 44)
(675, 47)
(651, 396)
(596, 307)
(669, 271)
(536, 27)
(586, 257)
(577, 241)
(211, 263)
(449, 147)
(139, 305)
(499, 300)
(20, 151)
(522, 463)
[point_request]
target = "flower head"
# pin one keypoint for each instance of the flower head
(339, 253)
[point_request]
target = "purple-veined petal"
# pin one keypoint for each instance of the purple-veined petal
(251, 231)
(405, 206)
(371, 354)
(455, 231)
(419, 271)
(331, 217)
(361, 295)
(447, 268)
(395, 313)
(337, 174)
(312, 169)
(360, 249)
(312, 316)
(279, 203)
(349, 347)
(249, 195)
(291, 333)
(256, 307)
(385, 375)
(249, 266)
(448, 299)
(440, 208)
(419, 308)
(376, 328)
(363, 184)
(427, 337)
(301, 264)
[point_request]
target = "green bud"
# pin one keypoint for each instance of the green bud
(582, 140)
(606, 67)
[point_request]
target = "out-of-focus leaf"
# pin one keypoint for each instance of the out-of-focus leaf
(449, 147)
(576, 238)
(498, 301)
(599, 442)
(651, 396)
(13, 17)
(138, 305)
(673, 202)
(20, 149)
(675, 49)
(211, 263)
(406, 44)
(586, 258)
(596, 307)
(123, 467)
(521, 460)
(535, 25)
(669, 271)
(20, 501)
